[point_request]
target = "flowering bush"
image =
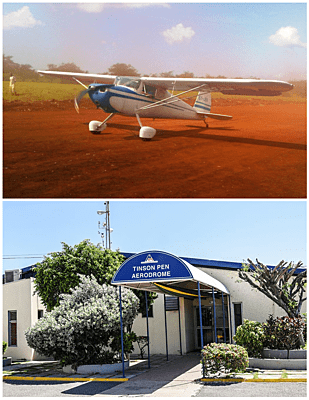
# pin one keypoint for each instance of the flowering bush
(81, 329)
(224, 358)
(251, 336)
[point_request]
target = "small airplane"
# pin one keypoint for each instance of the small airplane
(153, 97)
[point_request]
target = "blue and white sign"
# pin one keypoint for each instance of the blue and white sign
(152, 266)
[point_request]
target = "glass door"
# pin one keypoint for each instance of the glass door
(207, 323)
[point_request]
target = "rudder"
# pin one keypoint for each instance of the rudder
(203, 102)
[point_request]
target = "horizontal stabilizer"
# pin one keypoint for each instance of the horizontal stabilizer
(216, 116)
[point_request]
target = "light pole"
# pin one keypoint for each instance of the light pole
(105, 226)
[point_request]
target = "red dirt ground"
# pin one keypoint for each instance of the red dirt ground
(48, 152)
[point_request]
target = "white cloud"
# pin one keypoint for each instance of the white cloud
(20, 19)
(91, 7)
(141, 5)
(178, 33)
(99, 7)
(287, 37)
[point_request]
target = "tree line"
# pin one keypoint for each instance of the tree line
(25, 72)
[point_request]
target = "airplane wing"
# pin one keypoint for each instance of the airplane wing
(83, 76)
(252, 87)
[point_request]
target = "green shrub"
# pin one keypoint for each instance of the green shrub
(81, 329)
(251, 336)
(283, 333)
(4, 347)
(128, 339)
(224, 358)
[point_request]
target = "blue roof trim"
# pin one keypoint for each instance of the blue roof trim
(197, 262)
(201, 262)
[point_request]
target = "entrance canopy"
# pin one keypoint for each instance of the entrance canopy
(161, 272)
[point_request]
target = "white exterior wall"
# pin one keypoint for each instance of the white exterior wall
(157, 329)
(255, 305)
(18, 296)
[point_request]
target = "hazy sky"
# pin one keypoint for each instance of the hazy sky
(221, 230)
(264, 40)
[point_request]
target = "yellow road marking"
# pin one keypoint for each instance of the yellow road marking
(42, 378)
(254, 380)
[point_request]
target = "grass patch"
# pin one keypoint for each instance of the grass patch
(284, 374)
(37, 91)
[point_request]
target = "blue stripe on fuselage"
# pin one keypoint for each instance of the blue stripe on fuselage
(102, 99)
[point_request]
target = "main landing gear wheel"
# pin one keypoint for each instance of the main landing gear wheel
(147, 133)
(207, 126)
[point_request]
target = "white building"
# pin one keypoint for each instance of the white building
(22, 309)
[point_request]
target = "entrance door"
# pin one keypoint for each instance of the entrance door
(207, 322)
(209, 325)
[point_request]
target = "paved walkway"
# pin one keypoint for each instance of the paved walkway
(180, 376)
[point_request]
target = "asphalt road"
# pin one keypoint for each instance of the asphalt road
(54, 389)
(59, 389)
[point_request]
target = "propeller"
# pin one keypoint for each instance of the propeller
(78, 98)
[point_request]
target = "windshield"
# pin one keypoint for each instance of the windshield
(127, 81)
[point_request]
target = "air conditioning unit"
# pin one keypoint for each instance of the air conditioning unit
(12, 276)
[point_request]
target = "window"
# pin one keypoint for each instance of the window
(171, 303)
(150, 90)
(12, 328)
(128, 82)
(237, 315)
(40, 314)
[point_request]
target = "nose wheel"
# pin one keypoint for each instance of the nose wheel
(96, 127)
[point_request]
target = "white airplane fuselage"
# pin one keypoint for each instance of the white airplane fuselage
(127, 101)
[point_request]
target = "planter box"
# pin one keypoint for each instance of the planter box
(272, 363)
(6, 361)
(95, 368)
(284, 354)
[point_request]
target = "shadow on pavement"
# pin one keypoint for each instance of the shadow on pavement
(90, 388)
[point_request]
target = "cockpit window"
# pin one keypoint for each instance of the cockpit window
(127, 81)
(150, 90)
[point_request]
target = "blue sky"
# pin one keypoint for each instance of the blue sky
(264, 40)
(220, 230)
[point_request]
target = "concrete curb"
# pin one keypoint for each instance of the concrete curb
(204, 380)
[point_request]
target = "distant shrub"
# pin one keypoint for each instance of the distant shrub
(224, 358)
(83, 328)
(251, 336)
(4, 346)
(283, 333)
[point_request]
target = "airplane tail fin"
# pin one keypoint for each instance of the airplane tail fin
(202, 106)
(203, 102)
